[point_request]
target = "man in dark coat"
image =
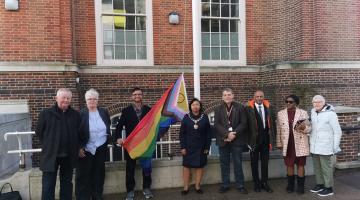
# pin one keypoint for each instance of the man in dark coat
(58, 131)
(260, 132)
(130, 117)
(230, 125)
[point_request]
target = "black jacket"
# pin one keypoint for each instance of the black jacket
(84, 124)
(238, 122)
(49, 129)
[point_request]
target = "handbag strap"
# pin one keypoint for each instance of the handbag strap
(4, 186)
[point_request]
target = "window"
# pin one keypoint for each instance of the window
(223, 32)
(124, 32)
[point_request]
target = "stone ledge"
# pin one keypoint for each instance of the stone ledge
(348, 165)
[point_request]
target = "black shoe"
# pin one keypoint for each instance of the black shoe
(291, 183)
(266, 187)
(199, 191)
(257, 187)
(223, 189)
(243, 190)
(300, 185)
(326, 192)
(185, 192)
(317, 188)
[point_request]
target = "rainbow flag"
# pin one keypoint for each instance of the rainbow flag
(169, 109)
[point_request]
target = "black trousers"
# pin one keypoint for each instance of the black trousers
(130, 174)
(49, 180)
(261, 150)
(90, 175)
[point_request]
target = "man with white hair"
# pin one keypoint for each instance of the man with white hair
(324, 143)
(58, 131)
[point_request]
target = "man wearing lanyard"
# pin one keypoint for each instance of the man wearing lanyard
(230, 126)
(260, 131)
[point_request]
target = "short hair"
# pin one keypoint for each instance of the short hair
(293, 96)
(62, 90)
(318, 98)
(258, 90)
(91, 93)
(228, 90)
(136, 89)
(192, 101)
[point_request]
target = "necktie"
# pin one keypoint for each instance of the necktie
(261, 114)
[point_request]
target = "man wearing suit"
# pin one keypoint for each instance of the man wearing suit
(130, 117)
(259, 131)
(230, 126)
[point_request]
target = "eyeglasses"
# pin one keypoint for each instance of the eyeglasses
(92, 99)
(290, 102)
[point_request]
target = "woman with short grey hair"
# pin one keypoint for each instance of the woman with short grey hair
(324, 143)
(94, 133)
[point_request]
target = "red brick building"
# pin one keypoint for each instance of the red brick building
(283, 47)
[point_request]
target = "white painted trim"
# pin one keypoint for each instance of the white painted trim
(241, 42)
(36, 67)
(100, 61)
(196, 24)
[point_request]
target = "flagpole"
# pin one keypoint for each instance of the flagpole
(196, 45)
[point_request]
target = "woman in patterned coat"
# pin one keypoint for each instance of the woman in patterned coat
(292, 139)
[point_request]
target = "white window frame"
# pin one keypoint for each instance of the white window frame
(100, 61)
(242, 41)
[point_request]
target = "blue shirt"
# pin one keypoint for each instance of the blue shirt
(97, 131)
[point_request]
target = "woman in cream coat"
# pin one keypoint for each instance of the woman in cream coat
(293, 140)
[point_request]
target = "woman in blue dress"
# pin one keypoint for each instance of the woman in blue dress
(195, 140)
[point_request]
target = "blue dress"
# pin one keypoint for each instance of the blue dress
(195, 140)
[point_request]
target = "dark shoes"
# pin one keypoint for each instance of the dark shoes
(243, 190)
(184, 192)
(300, 189)
(291, 184)
(223, 189)
(199, 191)
(326, 192)
(257, 187)
(317, 188)
(266, 187)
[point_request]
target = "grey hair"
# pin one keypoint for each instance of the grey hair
(318, 98)
(91, 93)
(228, 90)
(63, 90)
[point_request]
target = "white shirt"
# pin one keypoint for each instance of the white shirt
(262, 112)
(97, 130)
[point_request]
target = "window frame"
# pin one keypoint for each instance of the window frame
(241, 40)
(100, 61)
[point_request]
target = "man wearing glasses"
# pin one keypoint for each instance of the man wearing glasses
(259, 138)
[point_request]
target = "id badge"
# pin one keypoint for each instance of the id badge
(230, 129)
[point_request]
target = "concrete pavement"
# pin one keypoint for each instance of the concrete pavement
(347, 187)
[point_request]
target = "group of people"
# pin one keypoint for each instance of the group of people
(250, 127)
(72, 139)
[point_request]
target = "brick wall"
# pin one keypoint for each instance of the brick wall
(350, 140)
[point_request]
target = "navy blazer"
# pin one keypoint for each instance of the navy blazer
(84, 124)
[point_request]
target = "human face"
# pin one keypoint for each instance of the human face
(259, 97)
(91, 103)
(137, 96)
(290, 103)
(318, 105)
(195, 107)
(227, 97)
(63, 100)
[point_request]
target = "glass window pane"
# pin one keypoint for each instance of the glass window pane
(141, 52)
(224, 1)
(224, 39)
(215, 1)
(106, 5)
(225, 10)
(205, 25)
(215, 53)
(140, 23)
(224, 25)
(234, 1)
(119, 52)
(140, 7)
(130, 23)
(234, 39)
(235, 10)
(118, 6)
(205, 0)
(205, 7)
(205, 39)
(130, 53)
(129, 6)
(141, 38)
(234, 53)
(108, 52)
(107, 22)
(233, 25)
(119, 37)
(214, 25)
(206, 53)
(108, 37)
(119, 22)
(215, 39)
(225, 53)
(130, 37)
(215, 10)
